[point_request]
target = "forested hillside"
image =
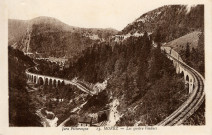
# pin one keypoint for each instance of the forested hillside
(136, 71)
(140, 78)
(21, 109)
(191, 49)
(53, 37)
(180, 27)
(173, 21)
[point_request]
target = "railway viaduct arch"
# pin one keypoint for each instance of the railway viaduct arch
(54, 81)
(178, 63)
(180, 68)
(45, 80)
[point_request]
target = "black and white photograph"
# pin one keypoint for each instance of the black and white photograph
(149, 72)
(106, 64)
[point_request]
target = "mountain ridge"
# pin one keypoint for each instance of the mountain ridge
(175, 19)
(27, 24)
(47, 34)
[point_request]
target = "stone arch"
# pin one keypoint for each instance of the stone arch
(62, 83)
(34, 79)
(187, 82)
(182, 74)
(58, 82)
(50, 82)
(54, 83)
(40, 81)
(46, 81)
(178, 69)
(172, 61)
(187, 78)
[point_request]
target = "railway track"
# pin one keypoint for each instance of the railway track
(66, 81)
(195, 99)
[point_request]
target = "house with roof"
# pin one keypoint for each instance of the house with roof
(85, 122)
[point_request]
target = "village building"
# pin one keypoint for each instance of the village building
(85, 122)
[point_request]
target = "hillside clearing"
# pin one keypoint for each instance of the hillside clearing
(180, 43)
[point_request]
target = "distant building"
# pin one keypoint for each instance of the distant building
(100, 118)
(85, 122)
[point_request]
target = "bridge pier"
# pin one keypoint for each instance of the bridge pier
(36, 79)
(175, 57)
(29, 78)
(48, 80)
(177, 69)
(56, 83)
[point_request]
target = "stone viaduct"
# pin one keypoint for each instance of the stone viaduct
(180, 68)
(54, 81)
(171, 54)
(43, 79)
(192, 78)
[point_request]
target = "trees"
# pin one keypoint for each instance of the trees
(158, 36)
(21, 109)
(201, 54)
(187, 53)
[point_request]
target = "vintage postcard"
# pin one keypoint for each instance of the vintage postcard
(106, 67)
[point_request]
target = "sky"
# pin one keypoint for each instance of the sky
(84, 13)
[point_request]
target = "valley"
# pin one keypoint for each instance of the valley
(143, 75)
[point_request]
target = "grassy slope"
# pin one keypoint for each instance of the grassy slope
(180, 43)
